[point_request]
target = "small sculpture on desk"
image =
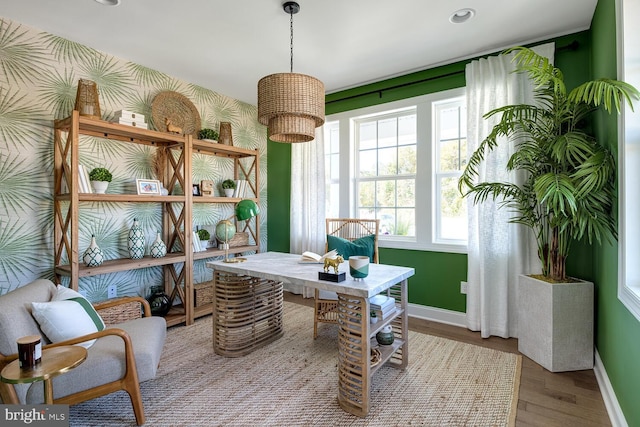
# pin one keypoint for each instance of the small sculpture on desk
(333, 262)
(335, 276)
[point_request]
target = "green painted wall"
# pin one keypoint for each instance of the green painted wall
(438, 275)
(279, 181)
(617, 330)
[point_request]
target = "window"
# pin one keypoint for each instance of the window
(450, 144)
(386, 171)
(629, 161)
(400, 162)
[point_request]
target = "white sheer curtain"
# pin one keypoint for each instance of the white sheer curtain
(307, 201)
(497, 251)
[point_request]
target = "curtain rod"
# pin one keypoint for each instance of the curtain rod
(571, 46)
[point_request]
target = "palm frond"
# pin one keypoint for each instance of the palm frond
(605, 92)
(22, 60)
(540, 69)
(65, 50)
(147, 76)
(556, 191)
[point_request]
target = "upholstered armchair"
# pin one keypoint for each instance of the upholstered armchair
(122, 355)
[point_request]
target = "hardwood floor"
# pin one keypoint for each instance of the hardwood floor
(546, 399)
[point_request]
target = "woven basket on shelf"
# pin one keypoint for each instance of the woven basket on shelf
(120, 313)
(203, 293)
(239, 239)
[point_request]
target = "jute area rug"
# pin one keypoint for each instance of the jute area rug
(293, 382)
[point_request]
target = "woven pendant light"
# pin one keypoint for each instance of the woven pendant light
(291, 105)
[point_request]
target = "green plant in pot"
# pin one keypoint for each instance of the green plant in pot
(570, 186)
(228, 185)
(209, 134)
(100, 179)
(204, 237)
(567, 194)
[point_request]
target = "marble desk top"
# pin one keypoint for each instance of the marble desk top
(284, 267)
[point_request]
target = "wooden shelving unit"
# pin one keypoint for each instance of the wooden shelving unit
(177, 208)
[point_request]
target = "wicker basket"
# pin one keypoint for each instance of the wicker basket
(239, 239)
(203, 293)
(120, 313)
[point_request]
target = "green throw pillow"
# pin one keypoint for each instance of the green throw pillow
(363, 246)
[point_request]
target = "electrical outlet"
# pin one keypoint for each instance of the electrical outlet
(112, 291)
(463, 287)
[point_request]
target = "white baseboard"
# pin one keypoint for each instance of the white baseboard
(441, 315)
(608, 395)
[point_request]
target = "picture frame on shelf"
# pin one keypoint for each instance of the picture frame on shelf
(196, 190)
(148, 186)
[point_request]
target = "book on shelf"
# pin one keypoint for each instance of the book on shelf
(314, 258)
(87, 179)
(84, 184)
(384, 314)
(195, 243)
(241, 188)
(382, 302)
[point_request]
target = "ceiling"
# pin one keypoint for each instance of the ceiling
(227, 46)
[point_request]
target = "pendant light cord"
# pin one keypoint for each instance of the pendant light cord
(291, 26)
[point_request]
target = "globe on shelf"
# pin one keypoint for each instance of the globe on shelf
(225, 230)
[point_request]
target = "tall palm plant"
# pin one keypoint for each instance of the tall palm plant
(570, 185)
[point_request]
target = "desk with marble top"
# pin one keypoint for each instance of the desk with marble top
(356, 333)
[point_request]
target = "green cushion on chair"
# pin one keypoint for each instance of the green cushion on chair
(364, 246)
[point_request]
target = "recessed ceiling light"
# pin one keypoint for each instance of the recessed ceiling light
(462, 15)
(108, 2)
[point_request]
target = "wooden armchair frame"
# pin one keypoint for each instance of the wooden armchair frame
(326, 310)
(129, 382)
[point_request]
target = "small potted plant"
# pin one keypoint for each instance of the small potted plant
(373, 317)
(228, 186)
(204, 238)
(208, 134)
(100, 179)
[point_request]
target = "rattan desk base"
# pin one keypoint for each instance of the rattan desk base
(247, 313)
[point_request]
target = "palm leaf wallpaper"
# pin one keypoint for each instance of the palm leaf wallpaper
(39, 74)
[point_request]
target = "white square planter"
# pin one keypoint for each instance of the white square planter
(555, 323)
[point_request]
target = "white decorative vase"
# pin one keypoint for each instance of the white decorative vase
(93, 256)
(228, 192)
(555, 323)
(204, 244)
(158, 249)
(99, 187)
(136, 241)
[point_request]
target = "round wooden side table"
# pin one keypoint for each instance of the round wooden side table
(55, 361)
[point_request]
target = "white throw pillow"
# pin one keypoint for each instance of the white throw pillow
(68, 315)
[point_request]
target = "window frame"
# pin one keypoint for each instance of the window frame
(425, 160)
(628, 225)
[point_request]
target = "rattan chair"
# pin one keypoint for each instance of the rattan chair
(326, 308)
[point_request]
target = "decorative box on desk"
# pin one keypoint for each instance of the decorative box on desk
(203, 293)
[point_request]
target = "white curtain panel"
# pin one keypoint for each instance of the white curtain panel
(497, 251)
(307, 201)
